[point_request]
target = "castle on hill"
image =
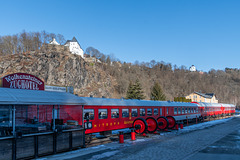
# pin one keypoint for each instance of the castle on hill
(73, 46)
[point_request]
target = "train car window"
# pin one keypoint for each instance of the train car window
(175, 110)
(134, 113)
(192, 110)
(125, 113)
(189, 110)
(142, 112)
(179, 110)
(167, 110)
(186, 110)
(155, 111)
(149, 111)
(183, 110)
(160, 111)
(102, 113)
(197, 110)
(88, 114)
(115, 113)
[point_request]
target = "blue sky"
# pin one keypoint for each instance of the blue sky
(205, 33)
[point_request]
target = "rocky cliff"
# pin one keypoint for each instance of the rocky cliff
(61, 68)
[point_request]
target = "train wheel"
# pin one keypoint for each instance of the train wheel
(152, 124)
(172, 122)
(140, 125)
(162, 122)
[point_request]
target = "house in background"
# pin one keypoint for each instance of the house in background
(54, 42)
(192, 68)
(74, 47)
(202, 97)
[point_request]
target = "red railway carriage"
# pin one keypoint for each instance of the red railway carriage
(228, 109)
(215, 109)
(210, 109)
(111, 114)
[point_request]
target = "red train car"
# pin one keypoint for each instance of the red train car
(215, 109)
(112, 114)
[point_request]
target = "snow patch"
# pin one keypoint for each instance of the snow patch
(203, 125)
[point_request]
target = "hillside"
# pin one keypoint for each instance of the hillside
(111, 80)
(60, 69)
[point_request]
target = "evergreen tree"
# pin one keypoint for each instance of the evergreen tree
(135, 91)
(138, 90)
(157, 93)
(130, 91)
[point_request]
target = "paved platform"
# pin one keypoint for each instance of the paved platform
(227, 148)
(218, 139)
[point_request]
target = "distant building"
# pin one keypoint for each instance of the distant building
(200, 72)
(91, 59)
(202, 97)
(74, 47)
(54, 42)
(192, 68)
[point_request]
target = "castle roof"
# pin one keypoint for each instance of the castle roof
(73, 40)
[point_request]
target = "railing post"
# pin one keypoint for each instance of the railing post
(54, 142)
(14, 148)
(14, 141)
(13, 121)
(36, 146)
(70, 140)
(53, 110)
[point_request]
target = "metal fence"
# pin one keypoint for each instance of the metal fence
(40, 144)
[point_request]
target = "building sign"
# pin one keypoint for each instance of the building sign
(59, 89)
(55, 88)
(22, 81)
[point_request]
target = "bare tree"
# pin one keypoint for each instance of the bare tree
(61, 39)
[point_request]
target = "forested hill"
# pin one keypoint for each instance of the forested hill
(107, 76)
(111, 78)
